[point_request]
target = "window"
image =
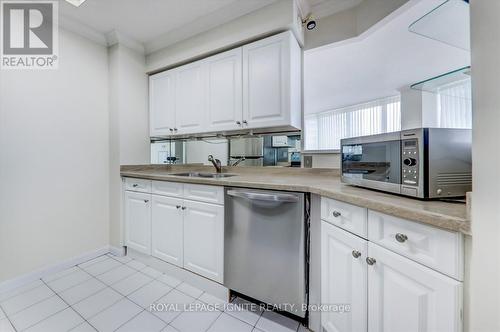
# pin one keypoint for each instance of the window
(324, 130)
(455, 104)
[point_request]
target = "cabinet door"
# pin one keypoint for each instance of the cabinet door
(138, 221)
(406, 296)
(167, 229)
(267, 82)
(204, 239)
(225, 91)
(343, 279)
(190, 97)
(162, 103)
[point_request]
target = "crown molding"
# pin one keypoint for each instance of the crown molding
(114, 37)
(82, 30)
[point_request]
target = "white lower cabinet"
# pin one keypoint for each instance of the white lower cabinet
(138, 221)
(182, 224)
(407, 296)
(387, 292)
(167, 224)
(204, 239)
(343, 279)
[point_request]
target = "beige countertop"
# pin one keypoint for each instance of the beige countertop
(450, 216)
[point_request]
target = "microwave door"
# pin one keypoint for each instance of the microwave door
(376, 165)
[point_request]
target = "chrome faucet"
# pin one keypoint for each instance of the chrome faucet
(216, 162)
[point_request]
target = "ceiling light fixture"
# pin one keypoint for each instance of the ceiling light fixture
(76, 3)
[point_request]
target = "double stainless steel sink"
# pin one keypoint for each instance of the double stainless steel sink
(204, 175)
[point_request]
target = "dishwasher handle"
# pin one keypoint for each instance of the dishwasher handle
(268, 197)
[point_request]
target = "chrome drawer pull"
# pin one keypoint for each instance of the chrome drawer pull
(336, 214)
(356, 254)
(370, 261)
(183, 208)
(401, 238)
(178, 206)
(146, 200)
(135, 185)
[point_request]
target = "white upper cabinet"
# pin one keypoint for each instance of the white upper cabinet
(224, 91)
(406, 296)
(162, 103)
(190, 99)
(271, 82)
(254, 86)
(343, 279)
(138, 221)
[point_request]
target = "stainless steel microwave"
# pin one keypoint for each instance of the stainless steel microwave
(425, 163)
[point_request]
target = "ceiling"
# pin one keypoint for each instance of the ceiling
(378, 63)
(322, 8)
(156, 24)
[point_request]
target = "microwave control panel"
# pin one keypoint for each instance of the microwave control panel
(410, 162)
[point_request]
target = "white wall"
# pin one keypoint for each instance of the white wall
(485, 264)
(378, 63)
(277, 17)
(54, 192)
(419, 109)
(129, 123)
(349, 23)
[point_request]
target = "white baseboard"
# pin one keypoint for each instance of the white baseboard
(51, 269)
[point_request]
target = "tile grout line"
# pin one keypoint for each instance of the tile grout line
(48, 297)
(110, 256)
(140, 312)
(71, 307)
(211, 324)
(7, 318)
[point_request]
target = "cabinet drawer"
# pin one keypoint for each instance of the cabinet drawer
(173, 189)
(140, 185)
(209, 194)
(347, 216)
(433, 247)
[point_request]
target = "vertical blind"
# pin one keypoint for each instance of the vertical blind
(324, 130)
(455, 105)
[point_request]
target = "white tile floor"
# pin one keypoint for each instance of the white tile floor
(112, 293)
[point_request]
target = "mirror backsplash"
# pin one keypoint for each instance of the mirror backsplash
(257, 150)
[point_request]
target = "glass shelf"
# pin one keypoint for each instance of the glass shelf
(448, 23)
(439, 83)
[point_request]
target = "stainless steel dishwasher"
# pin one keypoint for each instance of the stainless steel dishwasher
(265, 247)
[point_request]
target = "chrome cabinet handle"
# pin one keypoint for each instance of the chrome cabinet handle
(370, 260)
(336, 214)
(135, 185)
(183, 208)
(171, 129)
(245, 122)
(238, 123)
(356, 254)
(178, 206)
(175, 129)
(146, 200)
(401, 238)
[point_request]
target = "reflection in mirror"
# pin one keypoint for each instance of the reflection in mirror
(279, 150)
